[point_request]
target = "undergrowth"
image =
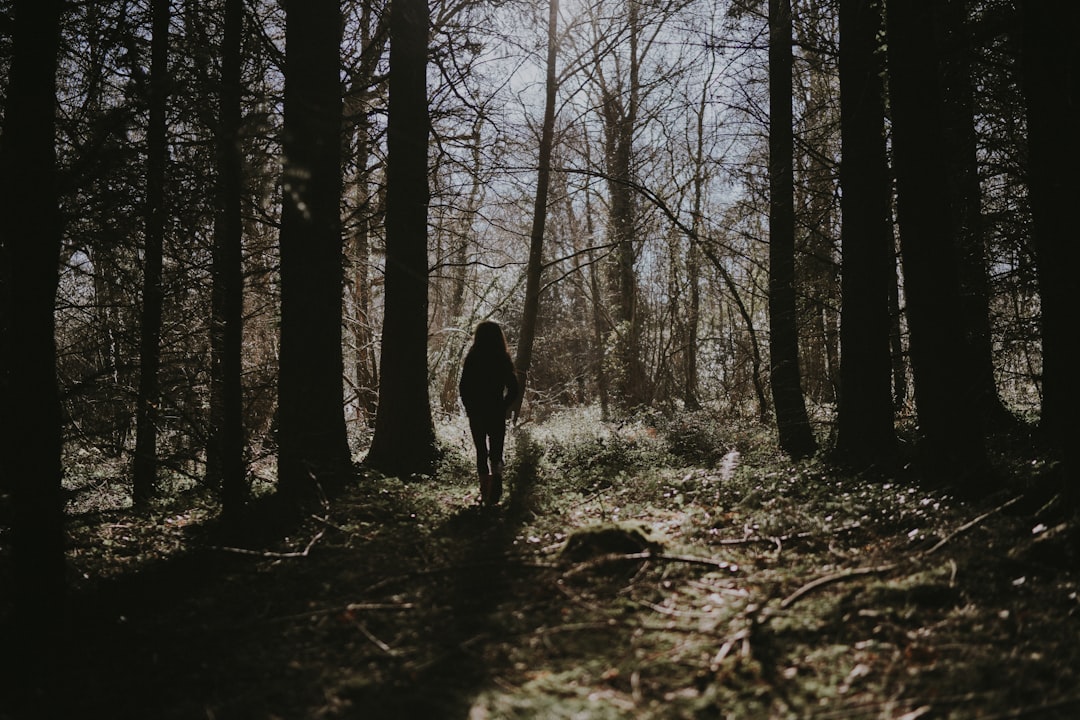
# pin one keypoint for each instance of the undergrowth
(657, 567)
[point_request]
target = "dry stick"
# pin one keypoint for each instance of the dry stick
(968, 525)
(374, 640)
(875, 570)
(829, 579)
(775, 540)
(647, 555)
(273, 554)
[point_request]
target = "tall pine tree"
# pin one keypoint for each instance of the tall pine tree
(404, 440)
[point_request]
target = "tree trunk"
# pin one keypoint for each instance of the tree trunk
(226, 330)
(865, 432)
(796, 438)
(144, 471)
(536, 237)
(404, 440)
(599, 318)
(373, 38)
(966, 206)
(619, 111)
(30, 236)
(313, 453)
(693, 255)
(896, 332)
(1051, 75)
(950, 425)
(366, 375)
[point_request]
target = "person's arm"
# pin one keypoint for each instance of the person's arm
(512, 387)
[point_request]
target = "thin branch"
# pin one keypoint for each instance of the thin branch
(275, 555)
(968, 525)
(833, 578)
(879, 569)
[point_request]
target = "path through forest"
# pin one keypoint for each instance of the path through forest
(615, 580)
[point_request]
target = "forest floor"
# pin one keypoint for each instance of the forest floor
(667, 569)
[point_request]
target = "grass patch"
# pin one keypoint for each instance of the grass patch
(765, 589)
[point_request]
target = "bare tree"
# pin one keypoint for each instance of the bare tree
(540, 209)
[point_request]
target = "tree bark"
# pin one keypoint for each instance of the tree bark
(1051, 80)
(373, 38)
(865, 432)
(313, 453)
(30, 237)
(540, 206)
(404, 440)
(950, 426)
(792, 422)
(619, 108)
(144, 469)
(967, 225)
(226, 403)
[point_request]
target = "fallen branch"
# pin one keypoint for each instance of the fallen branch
(647, 555)
(833, 578)
(695, 560)
(968, 525)
(272, 554)
(878, 569)
(374, 640)
(778, 539)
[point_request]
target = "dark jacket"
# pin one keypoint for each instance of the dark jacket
(488, 385)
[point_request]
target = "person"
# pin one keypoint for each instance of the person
(488, 389)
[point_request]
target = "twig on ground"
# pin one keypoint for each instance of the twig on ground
(374, 640)
(647, 555)
(778, 539)
(878, 569)
(696, 560)
(970, 524)
(742, 636)
(271, 554)
(834, 577)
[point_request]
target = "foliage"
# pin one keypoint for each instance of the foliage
(773, 590)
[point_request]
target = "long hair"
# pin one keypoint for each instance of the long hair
(489, 342)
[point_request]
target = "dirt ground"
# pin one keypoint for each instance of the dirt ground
(620, 577)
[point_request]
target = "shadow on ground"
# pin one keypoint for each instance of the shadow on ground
(388, 616)
(480, 579)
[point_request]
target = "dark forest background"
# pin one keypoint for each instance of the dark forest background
(243, 244)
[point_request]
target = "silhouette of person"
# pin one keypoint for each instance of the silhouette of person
(488, 388)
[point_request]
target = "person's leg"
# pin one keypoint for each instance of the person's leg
(497, 433)
(479, 437)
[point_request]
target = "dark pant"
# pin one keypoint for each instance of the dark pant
(488, 434)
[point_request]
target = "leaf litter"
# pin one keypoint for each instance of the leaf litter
(615, 580)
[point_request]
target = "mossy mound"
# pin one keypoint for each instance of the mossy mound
(615, 538)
